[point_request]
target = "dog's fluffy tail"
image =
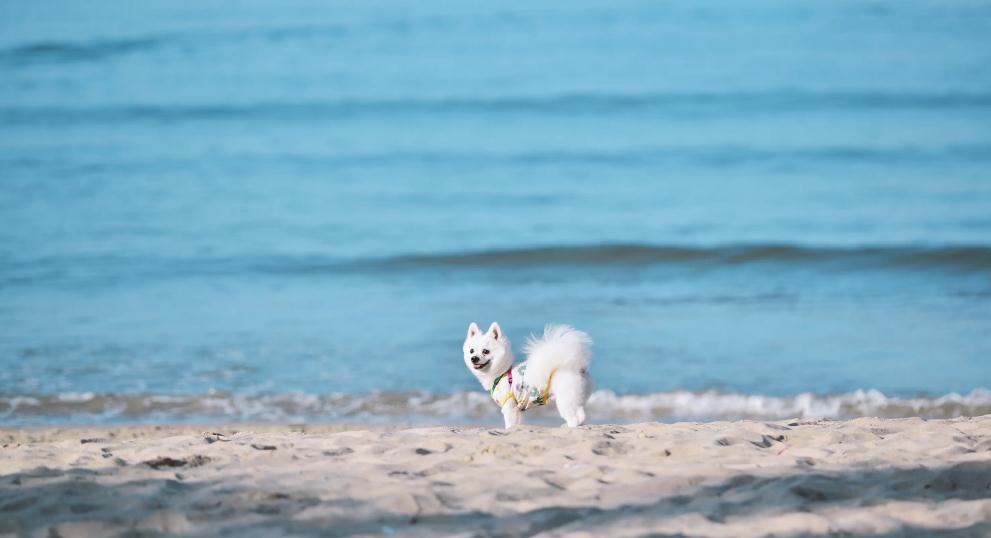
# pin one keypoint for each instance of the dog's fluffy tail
(562, 347)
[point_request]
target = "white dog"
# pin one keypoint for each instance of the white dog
(556, 369)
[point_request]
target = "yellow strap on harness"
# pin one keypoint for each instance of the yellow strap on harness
(547, 391)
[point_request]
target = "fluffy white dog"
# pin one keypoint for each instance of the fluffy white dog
(556, 369)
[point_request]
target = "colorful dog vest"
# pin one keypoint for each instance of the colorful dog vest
(530, 394)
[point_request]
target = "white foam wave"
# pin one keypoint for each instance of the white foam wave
(603, 406)
(683, 404)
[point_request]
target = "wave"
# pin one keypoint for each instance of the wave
(71, 51)
(99, 49)
(604, 406)
(718, 157)
(96, 269)
(564, 104)
(953, 258)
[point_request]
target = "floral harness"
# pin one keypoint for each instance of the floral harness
(528, 395)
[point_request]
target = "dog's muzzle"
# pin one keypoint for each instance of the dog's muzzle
(478, 365)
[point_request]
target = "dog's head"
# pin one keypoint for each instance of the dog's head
(489, 353)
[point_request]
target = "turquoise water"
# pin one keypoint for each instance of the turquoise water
(292, 210)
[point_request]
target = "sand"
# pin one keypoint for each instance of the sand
(864, 477)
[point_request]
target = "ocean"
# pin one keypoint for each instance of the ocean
(290, 211)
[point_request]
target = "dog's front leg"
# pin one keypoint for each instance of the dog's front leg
(511, 414)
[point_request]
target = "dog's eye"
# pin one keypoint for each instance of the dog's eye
(471, 350)
(485, 352)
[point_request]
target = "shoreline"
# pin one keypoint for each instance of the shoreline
(866, 476)
(472, 407)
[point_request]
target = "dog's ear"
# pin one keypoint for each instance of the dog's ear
(495, 330)
(473, 329)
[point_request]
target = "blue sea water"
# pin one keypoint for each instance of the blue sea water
(292, 210)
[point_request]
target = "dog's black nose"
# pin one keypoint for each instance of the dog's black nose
(474, 360)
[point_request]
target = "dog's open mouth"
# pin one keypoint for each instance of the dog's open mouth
(480, 366)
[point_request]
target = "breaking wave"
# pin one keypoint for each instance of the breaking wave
(471, 407)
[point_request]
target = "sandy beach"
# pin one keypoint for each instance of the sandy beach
(868, 477)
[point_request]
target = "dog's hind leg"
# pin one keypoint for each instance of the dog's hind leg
(569, 412)
(569, 395)
(580, 414)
